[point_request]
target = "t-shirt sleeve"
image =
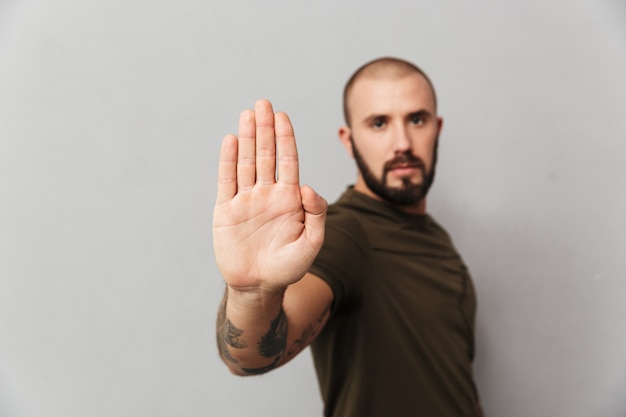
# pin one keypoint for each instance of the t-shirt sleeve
(343, 260)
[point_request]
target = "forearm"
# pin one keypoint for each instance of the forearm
(252, 331)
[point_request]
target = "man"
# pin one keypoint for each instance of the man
(386, 303)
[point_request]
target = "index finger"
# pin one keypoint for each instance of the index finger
(288, 168)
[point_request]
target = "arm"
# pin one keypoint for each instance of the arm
(265, 332)
(267, 231)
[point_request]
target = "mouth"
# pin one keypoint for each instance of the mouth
(404, 165)
(404, 161)
(403, 170)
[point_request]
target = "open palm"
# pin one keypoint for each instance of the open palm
(267, 229)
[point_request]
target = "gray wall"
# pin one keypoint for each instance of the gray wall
(111, 114)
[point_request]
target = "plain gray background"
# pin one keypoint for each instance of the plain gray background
(111, 116)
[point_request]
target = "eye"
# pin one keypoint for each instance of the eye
(379, 123)
(417, 119)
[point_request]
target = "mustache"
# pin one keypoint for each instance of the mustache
(406, 159)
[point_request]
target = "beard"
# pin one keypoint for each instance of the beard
(409, 193)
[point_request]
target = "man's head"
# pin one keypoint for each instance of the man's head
(392, 129)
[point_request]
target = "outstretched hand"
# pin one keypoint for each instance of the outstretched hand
(267, 229)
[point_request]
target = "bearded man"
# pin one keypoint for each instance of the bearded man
(373, 283)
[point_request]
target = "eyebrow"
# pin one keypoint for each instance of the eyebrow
(373, 117)
(421, 113)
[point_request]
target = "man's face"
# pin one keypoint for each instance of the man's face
(393, 138)
(408, 193)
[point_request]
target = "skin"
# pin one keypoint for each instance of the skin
(268, 229)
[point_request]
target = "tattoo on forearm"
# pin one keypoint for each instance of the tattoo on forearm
(227, 335)
(232, 336)
(223, 349)
(274, 342)
(272, 345)
(262, 370)
(309, 333)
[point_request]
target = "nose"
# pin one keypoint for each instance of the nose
(402, 139)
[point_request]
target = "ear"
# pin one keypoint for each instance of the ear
(344, 137)
(439, 125)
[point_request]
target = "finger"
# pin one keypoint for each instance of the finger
(265, 142)
(314, 207)
(287, 151)
(313, 203)
(246, 169)
(227, 170)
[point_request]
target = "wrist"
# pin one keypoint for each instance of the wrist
(256, 299)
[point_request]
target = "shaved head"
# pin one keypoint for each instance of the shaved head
(386, 67)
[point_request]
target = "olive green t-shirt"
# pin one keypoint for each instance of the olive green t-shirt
(400, 340)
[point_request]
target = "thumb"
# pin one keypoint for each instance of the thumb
(314, 206)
